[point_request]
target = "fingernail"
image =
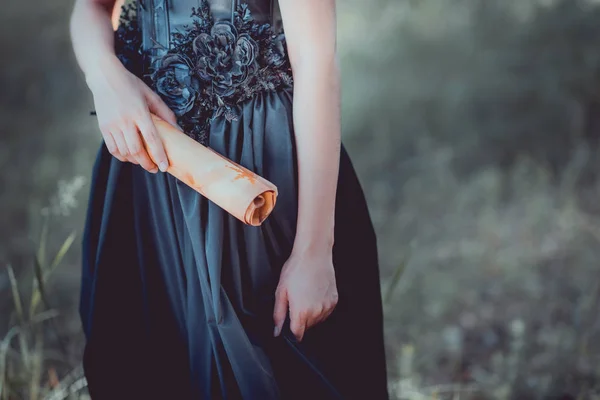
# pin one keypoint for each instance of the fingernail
(163, 166)
(276, 331)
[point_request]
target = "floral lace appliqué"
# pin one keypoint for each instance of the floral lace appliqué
(211, 66)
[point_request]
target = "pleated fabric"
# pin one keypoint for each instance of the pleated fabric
(177, 295)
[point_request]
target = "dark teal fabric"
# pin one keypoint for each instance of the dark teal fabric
(177, 295)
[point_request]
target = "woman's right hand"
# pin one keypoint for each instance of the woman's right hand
(123, 105)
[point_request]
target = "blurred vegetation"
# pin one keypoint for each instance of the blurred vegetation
(474, 126)
(21, 366)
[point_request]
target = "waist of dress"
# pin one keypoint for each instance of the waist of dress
(209, 67)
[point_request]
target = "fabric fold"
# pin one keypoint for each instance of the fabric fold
(178, 292)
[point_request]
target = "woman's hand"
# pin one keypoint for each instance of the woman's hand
(307, 282)
(307, 286)
(123, 105)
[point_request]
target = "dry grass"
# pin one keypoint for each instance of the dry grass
(27, 362)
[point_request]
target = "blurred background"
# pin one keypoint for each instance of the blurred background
(474, 126)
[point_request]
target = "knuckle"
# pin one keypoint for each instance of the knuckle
(139, 112)
(151, 138)
(137, 153)
(146, 163)
(279, 291)
(154, 97)
(123, 120)
(135, 149)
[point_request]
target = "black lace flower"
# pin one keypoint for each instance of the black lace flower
(224, 57)
(211, 67)
(177, 83)
(128, 41)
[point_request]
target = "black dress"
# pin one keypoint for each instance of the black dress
(177, 295)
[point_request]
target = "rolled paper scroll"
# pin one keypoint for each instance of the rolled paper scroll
(237, 190)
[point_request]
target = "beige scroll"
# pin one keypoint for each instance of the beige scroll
(239, 191)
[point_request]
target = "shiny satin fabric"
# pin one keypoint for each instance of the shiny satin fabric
(177, 294)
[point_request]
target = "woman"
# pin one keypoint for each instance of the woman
(179, 299)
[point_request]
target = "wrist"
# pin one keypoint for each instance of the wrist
(313, 245)
(97, 75)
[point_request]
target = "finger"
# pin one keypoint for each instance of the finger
(317, 316)
(330, 308)
(111, 145)
(280, 311)
(298, 325)
(158, 107)
(133, 142)
(326, 314)
(117, 135)
(153, 142)
(136, 148)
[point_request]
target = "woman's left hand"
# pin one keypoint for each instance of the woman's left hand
(307, 287)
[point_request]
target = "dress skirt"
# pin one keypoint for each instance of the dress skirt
(177, 295)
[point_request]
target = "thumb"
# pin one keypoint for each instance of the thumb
(280, 311)
(158, 107)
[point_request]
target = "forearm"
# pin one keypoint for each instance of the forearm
(92, 36)
(317, 126)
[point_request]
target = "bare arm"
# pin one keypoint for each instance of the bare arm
(308, 279)
(310, 29)
(92, 36)
(123, 102)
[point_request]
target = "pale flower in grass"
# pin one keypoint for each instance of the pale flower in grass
(65, 198)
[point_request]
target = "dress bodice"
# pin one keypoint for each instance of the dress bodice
(160, 18)
(205, 57)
